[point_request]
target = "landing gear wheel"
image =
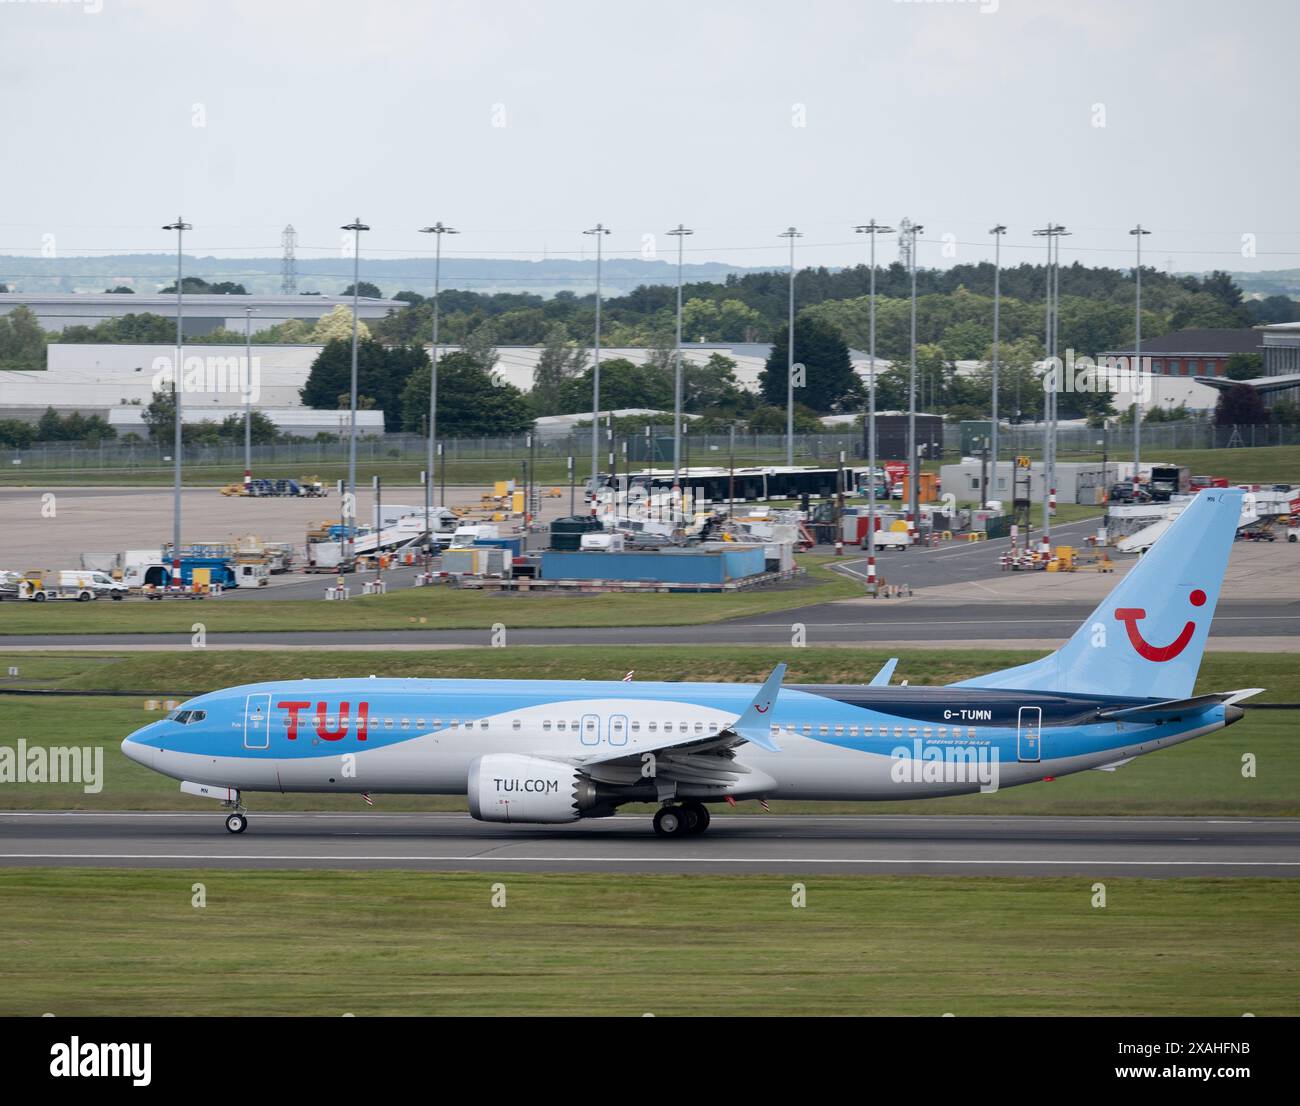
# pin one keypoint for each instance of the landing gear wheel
(236, 823)
(672, 821)
(701, 815)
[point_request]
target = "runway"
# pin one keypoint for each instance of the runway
(843, 623)
(735, 844)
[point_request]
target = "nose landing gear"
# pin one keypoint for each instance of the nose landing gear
(237, 819)
(683, 820)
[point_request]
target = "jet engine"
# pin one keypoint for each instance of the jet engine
(504, 787)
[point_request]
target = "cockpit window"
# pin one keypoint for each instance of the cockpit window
(186, 717)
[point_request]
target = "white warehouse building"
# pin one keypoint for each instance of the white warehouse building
(202, 313)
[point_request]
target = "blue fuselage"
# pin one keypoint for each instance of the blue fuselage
(835, 742)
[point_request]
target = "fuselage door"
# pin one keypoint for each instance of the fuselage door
(1029, 734)
(618, 729)
(591, 729)
(257, 722)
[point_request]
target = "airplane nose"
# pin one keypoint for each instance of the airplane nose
(138, 752)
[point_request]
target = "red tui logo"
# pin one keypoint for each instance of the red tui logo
(321, 717)
(1130, 616)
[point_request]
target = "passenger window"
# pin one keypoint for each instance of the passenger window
(652, 727)
(483, 725)
(699, 727)
(853, 731)
(388, 723)
(560, 724)
(839, 730)
(823, 730)
(546, 724)
(713, 727)
(807, 728)
(636, 726)
(420, 723)
(437, 723)
(898, 731)
(516, 724)
(406, 723)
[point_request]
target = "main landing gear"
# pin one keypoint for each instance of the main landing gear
(684, 820)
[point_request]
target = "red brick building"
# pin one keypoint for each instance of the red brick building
(1194, 352)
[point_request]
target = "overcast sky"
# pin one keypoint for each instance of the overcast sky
(522, 123)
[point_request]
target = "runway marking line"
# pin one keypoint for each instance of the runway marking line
(494, 859)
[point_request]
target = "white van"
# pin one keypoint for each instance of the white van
(469, 533)
(99, 583)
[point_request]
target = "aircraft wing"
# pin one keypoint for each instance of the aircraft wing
(710, 759)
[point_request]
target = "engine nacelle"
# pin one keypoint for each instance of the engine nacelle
(504, 787)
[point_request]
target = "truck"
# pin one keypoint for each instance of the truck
(158, 574)
(467, 533)
(1167, 481)
(887, 539)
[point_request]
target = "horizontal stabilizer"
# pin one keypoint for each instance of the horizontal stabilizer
(1148, 711)
(1151, 711)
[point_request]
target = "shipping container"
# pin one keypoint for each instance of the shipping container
(673, 566)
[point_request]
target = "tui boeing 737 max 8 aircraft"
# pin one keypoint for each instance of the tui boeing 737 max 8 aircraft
(560, 750)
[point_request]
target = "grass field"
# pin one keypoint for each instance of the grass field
(83, 942)
(477, 473)
(1200, 777)
(1263, 463)
(461, 471)
(438, 608)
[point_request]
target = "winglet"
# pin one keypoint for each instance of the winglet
(881, 678)
(753, 724)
